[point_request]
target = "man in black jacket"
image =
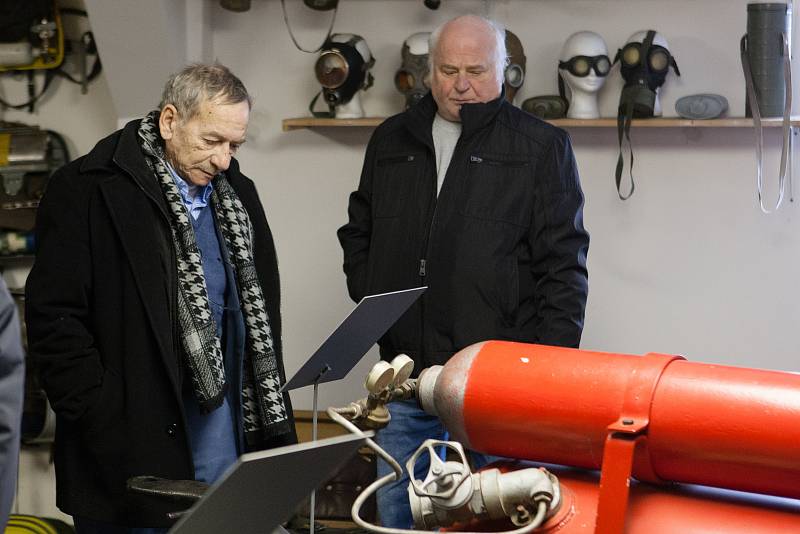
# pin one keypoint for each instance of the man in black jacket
(153, 307)
(482, 203)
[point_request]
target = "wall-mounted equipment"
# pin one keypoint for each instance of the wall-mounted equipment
(28, 155)
(32, 40)
(31, 36)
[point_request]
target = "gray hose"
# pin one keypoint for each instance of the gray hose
(538, 519)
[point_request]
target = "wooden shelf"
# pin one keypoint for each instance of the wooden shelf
(313, 122)
(668, 122)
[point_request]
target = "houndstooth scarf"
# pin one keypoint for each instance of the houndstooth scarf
(263, 409)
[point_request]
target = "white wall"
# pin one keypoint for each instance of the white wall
(689, 265)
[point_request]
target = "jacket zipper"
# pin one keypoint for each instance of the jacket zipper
(423, 273)
(396, 159)
(487, 161)
(423, 262)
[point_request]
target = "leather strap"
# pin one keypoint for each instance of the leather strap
(291, 34)
(624, 119)
(787, 138)
(321, 114)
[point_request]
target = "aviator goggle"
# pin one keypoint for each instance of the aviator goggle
(658, 57)
(581, 66)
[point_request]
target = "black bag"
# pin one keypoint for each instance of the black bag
(335, 497)
(16, 18)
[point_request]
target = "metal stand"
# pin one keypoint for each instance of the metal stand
(337, 355)
(313, 505)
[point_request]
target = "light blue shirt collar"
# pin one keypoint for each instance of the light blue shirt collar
(193, 204)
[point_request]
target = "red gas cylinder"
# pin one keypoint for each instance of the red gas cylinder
(697, 423)
(671, 509)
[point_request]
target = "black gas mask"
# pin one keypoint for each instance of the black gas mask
(411, 78)
(644, 67)
(342, 69)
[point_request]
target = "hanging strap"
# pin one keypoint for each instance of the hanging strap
(624, 126)
(787, 107)
(321, 114)
(624, 120)
(291, 33)
(563, 93)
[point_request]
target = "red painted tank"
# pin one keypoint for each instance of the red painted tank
(672, 509)
(702, 424)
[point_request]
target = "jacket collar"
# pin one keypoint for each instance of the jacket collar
(122, 150)
(474, 117)
(129, 157)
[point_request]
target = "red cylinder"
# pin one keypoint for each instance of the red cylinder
(705, 424)
(683, 509)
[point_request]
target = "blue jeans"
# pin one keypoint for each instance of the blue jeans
(409, 427)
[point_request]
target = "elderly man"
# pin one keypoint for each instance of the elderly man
(482, 203)
(153, 306)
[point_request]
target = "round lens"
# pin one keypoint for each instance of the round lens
(630, 55)
(331, 69)
(580, 67)
(514, 75)
(540, 109)
(659, 60)
(602, 65)
(404, 81)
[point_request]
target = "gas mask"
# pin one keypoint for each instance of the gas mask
(644, 62)
(644, 66)
(515, 70)
(342, 69)
(411, 78)
(322, 5)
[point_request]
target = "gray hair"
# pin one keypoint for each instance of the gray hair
(500, 59)
(198, 83)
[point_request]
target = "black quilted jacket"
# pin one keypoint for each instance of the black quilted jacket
(502, 249)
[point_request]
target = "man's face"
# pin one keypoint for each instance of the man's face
(464, 70)
(202, 146)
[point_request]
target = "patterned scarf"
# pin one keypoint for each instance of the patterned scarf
(263, 409)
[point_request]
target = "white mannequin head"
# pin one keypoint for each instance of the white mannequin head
(583, 101)
(658, 39)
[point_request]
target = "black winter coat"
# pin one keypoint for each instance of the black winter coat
(101, 316)
(502, 249)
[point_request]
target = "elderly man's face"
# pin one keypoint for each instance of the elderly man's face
(202, 146)
(464, 70)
